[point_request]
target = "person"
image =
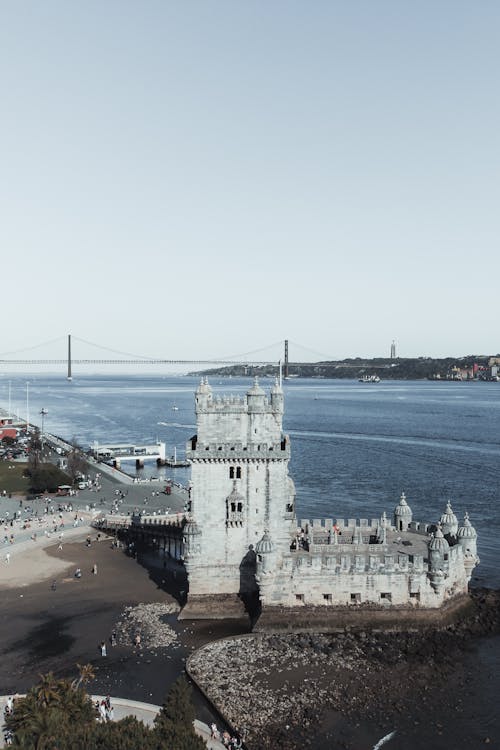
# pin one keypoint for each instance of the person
(102, 711)
(78, 573)
(113, 638)
(103, 648)
(94, 569)
(54, 585)
(7, 558)
(137, 639)
(213, 731)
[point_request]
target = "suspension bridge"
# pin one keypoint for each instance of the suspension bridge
(126, 358)
(68, 360)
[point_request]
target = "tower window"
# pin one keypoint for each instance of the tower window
(234, 510)
(238, 472)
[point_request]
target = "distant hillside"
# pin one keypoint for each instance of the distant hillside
(387, 369)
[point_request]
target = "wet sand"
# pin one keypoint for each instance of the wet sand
(43, 630)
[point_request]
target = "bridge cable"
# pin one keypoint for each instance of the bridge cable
(36, 346)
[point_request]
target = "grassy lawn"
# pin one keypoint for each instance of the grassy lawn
(11, 477)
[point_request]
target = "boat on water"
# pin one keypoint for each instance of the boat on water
(369, 379)
(175, 408)
(174, 462)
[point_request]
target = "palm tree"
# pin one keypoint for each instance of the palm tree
(86, 675)
(48, 691)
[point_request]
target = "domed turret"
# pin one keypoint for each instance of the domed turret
(467, 530)
(439, 552)
(438, 543)
(277, 399)
(467, 539)
(449, 521)
(402, 514)
(264, 545)
(203, 395)
(256, 397)
(265, 551)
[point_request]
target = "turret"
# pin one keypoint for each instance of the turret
(449, 521)
(467, 539)
(277, 399)
(203, 396)
(265, 551)
(402, 514)
(256, 397)
(439, 553)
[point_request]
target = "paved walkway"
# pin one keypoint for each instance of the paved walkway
(145, 712)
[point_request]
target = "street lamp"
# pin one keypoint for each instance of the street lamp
(43, 413)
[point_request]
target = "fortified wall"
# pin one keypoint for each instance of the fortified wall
(243, 536)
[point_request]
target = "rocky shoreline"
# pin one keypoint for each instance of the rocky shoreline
(296, 690)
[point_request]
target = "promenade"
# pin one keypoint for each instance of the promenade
(144, 712)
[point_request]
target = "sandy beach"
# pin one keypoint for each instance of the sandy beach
(32, 567)
(43, 629)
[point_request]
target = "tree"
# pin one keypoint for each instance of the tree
(127, 734)
(35, 450)
(173, 725)
(75, 461)
(46, 477)
(48, 714)
(86, 674)
(59, 715)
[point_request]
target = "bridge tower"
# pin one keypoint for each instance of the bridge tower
(285, 369)
(241, 490)
(70, 377)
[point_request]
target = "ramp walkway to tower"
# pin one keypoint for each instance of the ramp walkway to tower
(158, 522)
(144, 712)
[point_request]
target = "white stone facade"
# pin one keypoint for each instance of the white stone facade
(240, 487)
(243, 524)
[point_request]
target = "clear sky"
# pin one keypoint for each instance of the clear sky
(198, 179)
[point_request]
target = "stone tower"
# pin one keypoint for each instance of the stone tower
(240, 490)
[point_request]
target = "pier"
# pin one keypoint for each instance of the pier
(117, 453)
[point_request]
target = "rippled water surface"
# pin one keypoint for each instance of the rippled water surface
(355, 447)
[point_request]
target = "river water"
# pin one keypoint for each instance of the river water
(355, 448)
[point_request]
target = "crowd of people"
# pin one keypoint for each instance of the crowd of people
(232, 742)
